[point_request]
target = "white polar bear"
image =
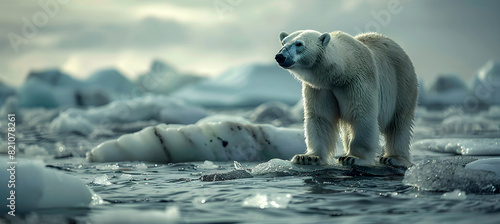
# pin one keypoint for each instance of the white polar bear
(365, 84)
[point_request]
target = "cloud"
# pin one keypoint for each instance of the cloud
(441, 36)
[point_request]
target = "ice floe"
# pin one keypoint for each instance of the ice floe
(38, 187)
(461, 146)
(206, 140)
(452, 174)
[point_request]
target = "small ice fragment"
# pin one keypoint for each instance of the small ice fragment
(126, 177)
(141, 166)
(238, 166)
(108, 167)
(267, 201)
(454, 195)
(102, 180)
(208, 165)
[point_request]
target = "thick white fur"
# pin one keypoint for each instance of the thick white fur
(365, 84)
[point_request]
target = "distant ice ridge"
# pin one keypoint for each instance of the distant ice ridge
(213, 139)
(244, 86)
(449, 89)
(38, 187)
(151, 107)
(164, 79)
(459, 173)
(487, 83)
(461, 146)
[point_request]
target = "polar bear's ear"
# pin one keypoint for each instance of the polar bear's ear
(283, 35)
(324, 38)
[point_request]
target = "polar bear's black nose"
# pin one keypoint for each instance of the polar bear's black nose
(280, 58)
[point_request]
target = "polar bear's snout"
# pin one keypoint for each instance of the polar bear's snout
(283, 60)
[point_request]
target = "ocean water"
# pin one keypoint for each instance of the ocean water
(177, 193)
(264, 191)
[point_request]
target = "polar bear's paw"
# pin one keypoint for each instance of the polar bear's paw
(352, 160)
(304, 159)
(395, 162)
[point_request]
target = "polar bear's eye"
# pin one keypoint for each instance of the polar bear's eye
(298, 44)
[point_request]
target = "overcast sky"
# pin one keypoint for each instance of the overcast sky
(209, 36)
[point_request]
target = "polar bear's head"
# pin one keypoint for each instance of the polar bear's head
(301, 49)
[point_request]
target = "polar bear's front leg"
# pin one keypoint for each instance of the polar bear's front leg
(321, 126)
(361, 149)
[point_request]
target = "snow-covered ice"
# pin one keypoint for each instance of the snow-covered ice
(214, 141)
(38, 187)
(461, 146)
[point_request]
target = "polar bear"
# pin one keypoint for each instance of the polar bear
(364, 84)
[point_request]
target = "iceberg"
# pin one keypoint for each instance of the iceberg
(163, 79)
(447, 90)
(49, 89)
(101, 119)
(486, 85)
(5, 92)
(38, 187)
(205, 140)
(112, 82)
(244, 86)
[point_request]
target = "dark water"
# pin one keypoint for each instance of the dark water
(136, 192)
(321, 196)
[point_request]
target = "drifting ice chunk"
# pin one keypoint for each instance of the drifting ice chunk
(492, 165)
(214, 141)
(449, 175)
(37, 187)
(268, 201)
(470, 147)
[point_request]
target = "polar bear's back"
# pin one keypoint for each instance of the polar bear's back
(393, 64)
